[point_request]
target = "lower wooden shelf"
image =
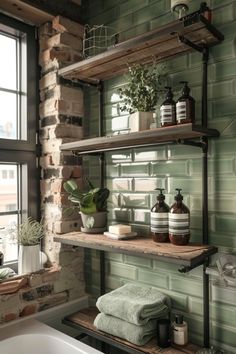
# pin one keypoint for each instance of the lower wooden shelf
(189, 256)
(83, 321)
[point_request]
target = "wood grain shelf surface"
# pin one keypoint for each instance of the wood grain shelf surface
(190, 255)
(143, 138)
(160, 43)
(83, 321)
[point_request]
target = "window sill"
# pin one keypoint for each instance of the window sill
(14, 284)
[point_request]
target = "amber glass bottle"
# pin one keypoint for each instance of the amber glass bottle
(159, 219)
(205, 11)
(179, 221)
(168, 109)
(185, 106)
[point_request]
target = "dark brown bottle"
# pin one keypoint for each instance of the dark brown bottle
(179, 221)
(159, 219)
(168, 109)
(205, 11)
(185, 106)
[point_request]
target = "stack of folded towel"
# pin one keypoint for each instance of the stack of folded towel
(131, 312)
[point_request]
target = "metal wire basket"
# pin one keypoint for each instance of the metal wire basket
(98, 39)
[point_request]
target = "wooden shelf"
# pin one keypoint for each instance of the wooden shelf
(83, 321)
(191, 255)
(143, 138)
(160, 43)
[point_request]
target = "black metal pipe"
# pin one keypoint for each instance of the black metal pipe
(102, 273)
(205, 193)
(205, 57)
(206, 311)
(102, 178)
(205, 239)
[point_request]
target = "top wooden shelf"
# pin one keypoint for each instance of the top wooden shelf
(143, 138)
(161, 43)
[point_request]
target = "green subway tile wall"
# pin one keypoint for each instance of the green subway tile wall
(132, 175)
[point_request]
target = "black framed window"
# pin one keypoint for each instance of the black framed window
(19, 176)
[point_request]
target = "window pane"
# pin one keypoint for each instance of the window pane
(8, 244)
(8, 187)
(8, 203)
(8, 114)
(8, 62)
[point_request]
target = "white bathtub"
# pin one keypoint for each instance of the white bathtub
(34, 337)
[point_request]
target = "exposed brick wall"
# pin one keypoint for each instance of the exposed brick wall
(61, 120)
(61, 114)
(36, 292)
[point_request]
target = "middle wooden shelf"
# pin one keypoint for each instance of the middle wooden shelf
(189, 256)
(143, 138)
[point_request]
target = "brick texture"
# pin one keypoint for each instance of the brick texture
(61, 120)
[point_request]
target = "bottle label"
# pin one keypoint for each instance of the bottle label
(159, 222)
(179, 224)
(180, 336)
(167, 113)
(181, 111)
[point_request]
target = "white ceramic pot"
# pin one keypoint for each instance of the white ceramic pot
(140, 121)
(29, 259)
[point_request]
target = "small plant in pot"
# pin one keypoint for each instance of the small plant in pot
(92, 205)
(140, 95)
(29, 235)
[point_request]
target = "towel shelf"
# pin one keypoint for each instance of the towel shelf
(83, 321)
(188, 257)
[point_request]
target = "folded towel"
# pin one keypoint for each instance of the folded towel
(138, 335)
(134, 303)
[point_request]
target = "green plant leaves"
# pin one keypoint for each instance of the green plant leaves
(30, 232)
(144, 87)
(89, 202)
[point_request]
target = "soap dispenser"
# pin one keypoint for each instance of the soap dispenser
(168, 109)
(180, 330)
(159, 219)
(205, 11)
(185, 106)
(179, 221)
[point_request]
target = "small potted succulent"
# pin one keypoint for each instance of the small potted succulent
(141, 94)
(91, 204)
(29, 235)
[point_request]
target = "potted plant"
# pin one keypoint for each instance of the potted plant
(29, 235)
(141, 94)
(92, 205)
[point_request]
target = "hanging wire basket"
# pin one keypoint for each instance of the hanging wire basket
(98, 39)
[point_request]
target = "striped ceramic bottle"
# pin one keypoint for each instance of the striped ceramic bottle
(179, 221)
(159, 219)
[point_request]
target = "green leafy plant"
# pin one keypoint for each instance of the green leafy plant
(30, 232)
(145, 84)
(90, 202)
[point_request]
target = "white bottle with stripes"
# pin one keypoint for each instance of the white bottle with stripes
(159, 219)
(179, 221)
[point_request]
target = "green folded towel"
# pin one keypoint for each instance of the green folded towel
(138, 335)
(134, 303)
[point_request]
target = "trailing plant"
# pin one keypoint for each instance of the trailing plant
(92, 201)
(145, 85)
(30, 232)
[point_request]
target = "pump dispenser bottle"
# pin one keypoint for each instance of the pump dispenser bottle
(159, 219)
(179, 221)
(168, 110)
(180, 331)
(185, 106)
(205, 11)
